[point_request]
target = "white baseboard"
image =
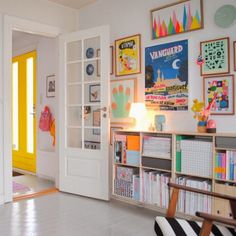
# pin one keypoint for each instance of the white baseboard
(23, 171)
(45, 177)
(2, 199)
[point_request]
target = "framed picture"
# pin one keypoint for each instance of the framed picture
(96, 121)
(112, 129)
(166, 76)
(94, 93)
(91, 144)
(51, 86)
(222, 88)
(215, 54)
(111, 60)
(127, 55)
(176, 18)
(123, 93)
(234, 55)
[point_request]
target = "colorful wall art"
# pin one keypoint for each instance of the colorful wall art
(123, 93)
(166, 76)
(177, 18)
(222, 89)
(215, 54)
(127, 55)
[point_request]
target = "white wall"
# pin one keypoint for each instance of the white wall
(131, 17)
(41, 11)
(47, 162)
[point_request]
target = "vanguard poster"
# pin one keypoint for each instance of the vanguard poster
(166, 76)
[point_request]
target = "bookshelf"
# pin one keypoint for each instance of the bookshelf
(144, 162)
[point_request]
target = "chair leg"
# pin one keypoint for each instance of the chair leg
(206, 228)
(173, 203)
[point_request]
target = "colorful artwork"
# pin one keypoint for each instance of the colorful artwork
(166, 76)
(127, 55)
(177, 18)
(123, 93)
(215, 54)
(222, 89)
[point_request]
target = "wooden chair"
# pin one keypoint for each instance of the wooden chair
(170, 226)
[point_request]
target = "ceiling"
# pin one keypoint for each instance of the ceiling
(77, 4)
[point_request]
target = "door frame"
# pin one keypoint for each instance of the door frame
(11, 23)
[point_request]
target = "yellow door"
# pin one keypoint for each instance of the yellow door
(23, 111)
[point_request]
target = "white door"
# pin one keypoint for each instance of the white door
(83, 112)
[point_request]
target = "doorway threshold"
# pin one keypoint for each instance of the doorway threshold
(37, 194)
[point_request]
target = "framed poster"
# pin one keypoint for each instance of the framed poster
(234, 55)
(180, 17)
(127, 55)
(215, 54)
(51, 86)
(123, 93)
(111, 59)
(94, 93)
(166, 76)
(223, 87)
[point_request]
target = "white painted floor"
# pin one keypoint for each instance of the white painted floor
(35, 184)
(62, 214)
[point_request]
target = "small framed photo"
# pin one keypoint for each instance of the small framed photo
(51, 86)
(221, 89)
(96, 121)
(234, 55)
(215, 54)
(111, 61)
(94, 93)
(112, 129)
(128, 55)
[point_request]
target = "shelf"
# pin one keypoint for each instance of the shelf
(224, 149)
(122, 164)
(225, 181)
(155, 157)
(195, 176)
(152, 168)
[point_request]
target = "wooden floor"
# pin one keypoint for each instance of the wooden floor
(60, 214)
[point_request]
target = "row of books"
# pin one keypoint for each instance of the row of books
(155, 189)
(127, 182)
(189, 202)
(157, 146)
(225, 165)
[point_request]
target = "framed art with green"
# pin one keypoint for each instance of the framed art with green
(123, 93)
(215, 55)
(127, 55)
(220, 89)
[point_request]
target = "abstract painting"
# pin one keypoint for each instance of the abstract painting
(221, 89)
(166, 76)
(177, 18)
(215, 55)
(123, 93)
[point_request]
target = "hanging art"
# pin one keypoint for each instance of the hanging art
(177, 18)
(166, 76)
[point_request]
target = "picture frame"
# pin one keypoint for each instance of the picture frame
(50, 86)
(91, 144)
(215, 55)
(112, 129)
(223, 85)
(94, 93)
(111, 60)
(96, 121)
(166, 76)
(123, 93)
(234, 43)
(128, 55)
(174, 18)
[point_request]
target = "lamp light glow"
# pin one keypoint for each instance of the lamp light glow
(138, 112)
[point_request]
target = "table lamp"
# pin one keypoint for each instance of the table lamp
(138, 112)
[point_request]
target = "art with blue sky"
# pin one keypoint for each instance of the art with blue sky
(166, 76)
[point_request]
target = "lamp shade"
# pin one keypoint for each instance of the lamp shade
(137, 110)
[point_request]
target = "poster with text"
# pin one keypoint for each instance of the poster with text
(166, 76)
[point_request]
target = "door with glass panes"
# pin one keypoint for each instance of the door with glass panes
(83, 112)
